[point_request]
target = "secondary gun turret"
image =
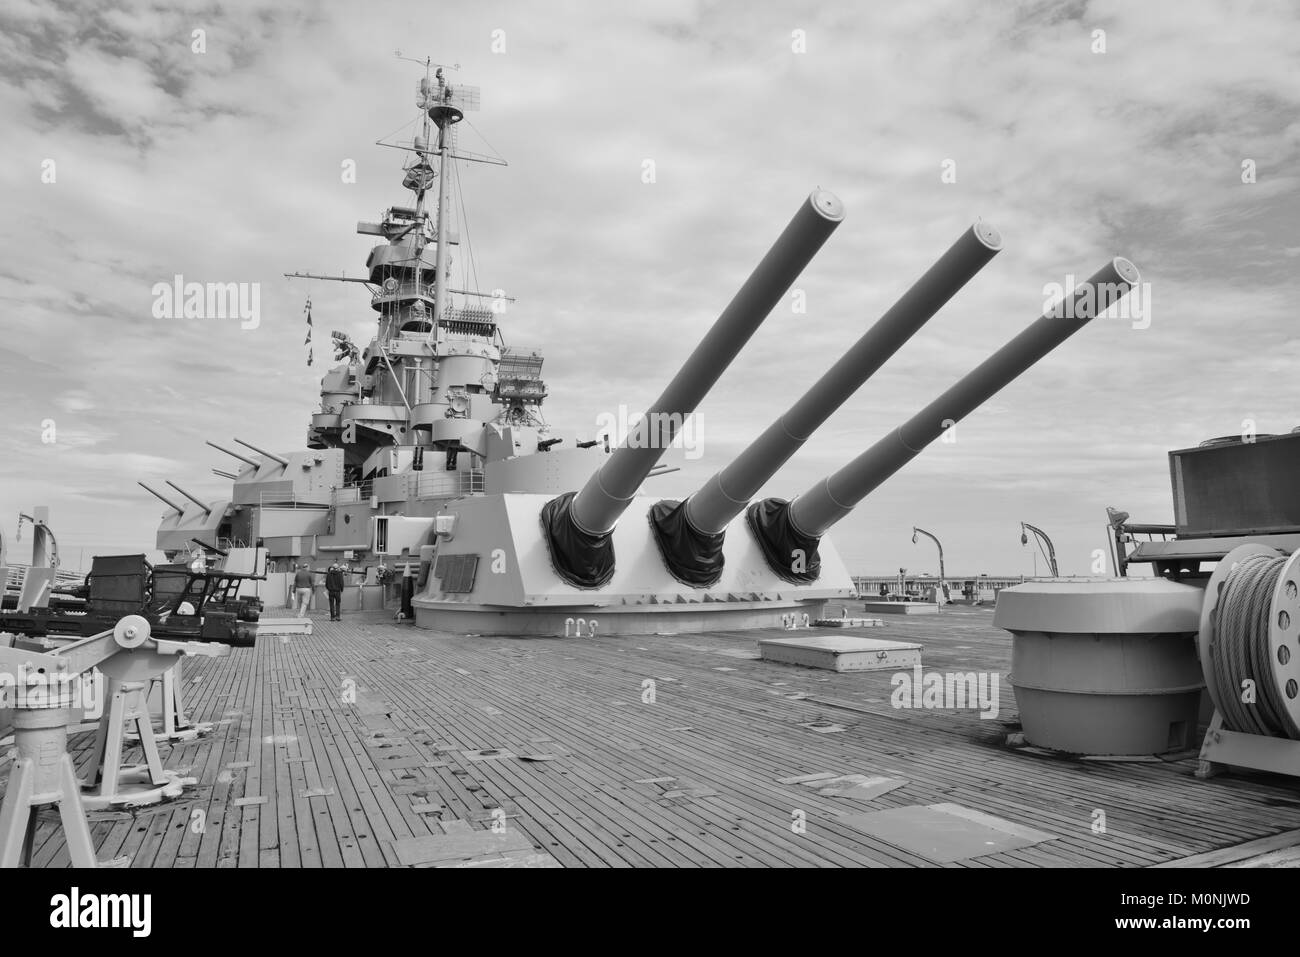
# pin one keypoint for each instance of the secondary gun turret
(283, 462)
(179, 509)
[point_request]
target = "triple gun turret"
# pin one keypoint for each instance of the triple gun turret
(690, 533)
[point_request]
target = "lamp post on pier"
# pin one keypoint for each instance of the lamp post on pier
(942, 593)
(1044, 545)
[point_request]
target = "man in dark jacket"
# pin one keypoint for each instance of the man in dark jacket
(334, 586)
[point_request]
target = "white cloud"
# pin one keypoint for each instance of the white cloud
(224, 166)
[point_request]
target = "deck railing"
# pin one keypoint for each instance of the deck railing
(436, 484)
(18, 574)
(423, 484)
(353, 494)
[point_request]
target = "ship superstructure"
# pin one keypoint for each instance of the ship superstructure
(435, 406)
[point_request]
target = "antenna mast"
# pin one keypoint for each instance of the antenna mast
(422, 147)
(444, 105)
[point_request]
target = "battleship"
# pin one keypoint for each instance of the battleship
(599, 674)
(430, 464)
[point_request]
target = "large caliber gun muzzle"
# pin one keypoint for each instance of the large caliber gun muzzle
(690, 534)
(577, 526)
(789, 532)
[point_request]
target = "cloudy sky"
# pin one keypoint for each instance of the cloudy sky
(225, 166)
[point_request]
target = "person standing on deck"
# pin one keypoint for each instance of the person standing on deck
(302, 586)
(334, 586)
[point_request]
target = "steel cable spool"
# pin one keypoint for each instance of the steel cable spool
(1250, 632)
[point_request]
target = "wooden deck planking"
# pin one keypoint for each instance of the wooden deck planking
(630, 771)
(949, 767)
(684, 762)
(584, 696)
(761, 782)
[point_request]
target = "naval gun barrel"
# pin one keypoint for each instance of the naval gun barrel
(243, 458)
(196, 501)
(162, 498)
(270, 455)
(811, 514)
(726, 494)
(578, 525)
(606, 495)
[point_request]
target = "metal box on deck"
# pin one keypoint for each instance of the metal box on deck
(1232, 487)
(842, 653)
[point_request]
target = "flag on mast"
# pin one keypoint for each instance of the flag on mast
(307, 341)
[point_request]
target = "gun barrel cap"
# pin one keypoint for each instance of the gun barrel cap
(1127, 271)
(988, 235)
(827, 204)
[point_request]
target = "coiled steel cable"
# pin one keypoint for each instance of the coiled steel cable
(1239, 650)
